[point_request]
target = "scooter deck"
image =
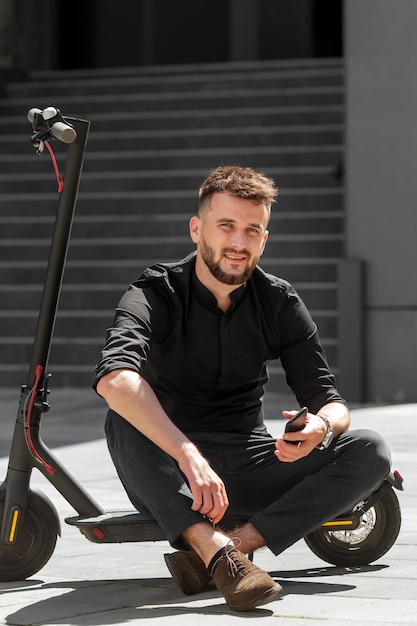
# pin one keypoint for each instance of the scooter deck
(129, 525)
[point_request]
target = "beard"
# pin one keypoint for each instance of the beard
(215, 269)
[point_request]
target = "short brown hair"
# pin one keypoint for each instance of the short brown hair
(242, 182)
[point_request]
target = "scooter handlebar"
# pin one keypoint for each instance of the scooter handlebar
(31, 114)
(60, 130)
(63, 132)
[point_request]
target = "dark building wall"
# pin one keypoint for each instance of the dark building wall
(381, 187)
(99, 33)
(154, 32)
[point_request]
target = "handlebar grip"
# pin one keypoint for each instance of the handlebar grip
(31, 114)
(63, 132)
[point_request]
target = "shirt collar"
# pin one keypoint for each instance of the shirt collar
(208, 299)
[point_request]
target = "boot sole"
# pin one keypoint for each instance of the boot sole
(179, 580)
(262, 599)
(173, 570)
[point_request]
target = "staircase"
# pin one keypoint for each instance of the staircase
(155, 134)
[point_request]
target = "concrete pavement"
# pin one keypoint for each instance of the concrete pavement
(88, 584)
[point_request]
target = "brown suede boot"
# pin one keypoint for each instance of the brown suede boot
(243, 584)
(188, 571)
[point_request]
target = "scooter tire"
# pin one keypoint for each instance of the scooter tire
(34, 544)
(373, 538)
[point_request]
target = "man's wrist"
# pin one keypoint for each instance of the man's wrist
(328, 436)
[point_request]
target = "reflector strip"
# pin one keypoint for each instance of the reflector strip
(339, 523)
(98, 533)
(398, 475)
(13, 527)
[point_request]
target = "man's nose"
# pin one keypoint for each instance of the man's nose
(238, 239)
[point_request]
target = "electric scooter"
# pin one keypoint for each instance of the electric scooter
(30, 524)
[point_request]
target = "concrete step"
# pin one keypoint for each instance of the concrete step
(104, 296)
(80, 375)
(78, 105)
(14, 126)
(160, 225)
(85, 349)
(124, 271)
(13, 375)
(191, 81)
(89, 323)
(183, 138)
(93, 324)
(187, 74)
(174, 246)
(171, 160)
(190, 69)
(148, 202)
(184, 178)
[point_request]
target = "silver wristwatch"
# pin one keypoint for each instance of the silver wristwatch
(328, 437)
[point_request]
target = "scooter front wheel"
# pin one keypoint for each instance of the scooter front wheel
(378, 529)
(35, 542)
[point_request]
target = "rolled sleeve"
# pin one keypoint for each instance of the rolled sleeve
(140, 317)
(308, 375)
(303, 357)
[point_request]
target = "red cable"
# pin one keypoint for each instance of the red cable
(54, 163)
(47, 466)
(39, 368)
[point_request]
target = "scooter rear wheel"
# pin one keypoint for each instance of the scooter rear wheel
(34, 544)
(376, 534)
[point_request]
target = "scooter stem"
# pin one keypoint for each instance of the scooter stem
(58, 251)
(22, 456)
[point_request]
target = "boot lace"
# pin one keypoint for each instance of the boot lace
(234, 564)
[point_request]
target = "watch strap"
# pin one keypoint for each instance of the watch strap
(328, 437)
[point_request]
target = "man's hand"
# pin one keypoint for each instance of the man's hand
(127, 393)
(308, 439)
(313, 434)
(209, 493)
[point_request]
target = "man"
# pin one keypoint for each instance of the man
(183, 371)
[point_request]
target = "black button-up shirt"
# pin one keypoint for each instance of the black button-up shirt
(208, 368)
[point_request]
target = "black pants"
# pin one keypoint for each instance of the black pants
(283, 501)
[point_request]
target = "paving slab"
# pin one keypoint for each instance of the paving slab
(89, 584)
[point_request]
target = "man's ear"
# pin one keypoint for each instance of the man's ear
(195, 228)
(265, 239)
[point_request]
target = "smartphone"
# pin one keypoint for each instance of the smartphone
(296, 422)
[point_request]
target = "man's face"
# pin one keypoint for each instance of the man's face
(230, 237)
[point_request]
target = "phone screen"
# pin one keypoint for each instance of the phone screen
(296, 422)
